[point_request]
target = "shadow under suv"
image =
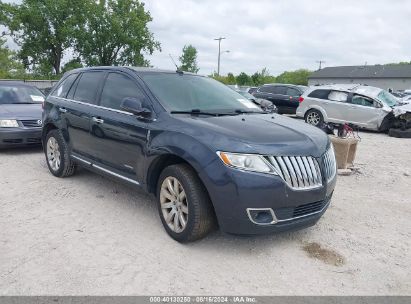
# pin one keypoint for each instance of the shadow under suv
(209, 155)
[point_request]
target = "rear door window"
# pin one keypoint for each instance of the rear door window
(64, 87)
(88, 86)
(116, 88)
(280, 90)
(338, 96)
(292, 92)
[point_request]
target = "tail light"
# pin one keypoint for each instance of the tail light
(301, 99)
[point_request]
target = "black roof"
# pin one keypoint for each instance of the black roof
(136, 69)
(364, 71)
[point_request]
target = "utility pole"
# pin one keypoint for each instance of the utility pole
(320, 62)
(219, 53)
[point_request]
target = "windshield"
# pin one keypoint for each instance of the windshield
(246, 94)
(387, 98)
(10, 94)
(183, 92)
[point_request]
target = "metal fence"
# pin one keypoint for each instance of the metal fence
(41, 84)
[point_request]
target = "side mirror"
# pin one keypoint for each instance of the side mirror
(135, 106)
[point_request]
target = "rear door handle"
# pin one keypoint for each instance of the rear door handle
(98, 120)
(63, 110)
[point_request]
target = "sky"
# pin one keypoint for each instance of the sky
(281, 34)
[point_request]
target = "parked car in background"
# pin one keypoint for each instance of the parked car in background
(364, 106)
(20, 114)
(262, 103)
(286, 97)
(205, 152)
(252, 90)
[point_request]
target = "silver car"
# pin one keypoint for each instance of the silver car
(364, 106)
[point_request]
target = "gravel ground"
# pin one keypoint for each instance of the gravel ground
(88, 235)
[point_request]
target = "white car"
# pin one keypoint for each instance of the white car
(364, 106)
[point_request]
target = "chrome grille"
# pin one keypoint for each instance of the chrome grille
(299, 172)
(330, 166)
(32, 123)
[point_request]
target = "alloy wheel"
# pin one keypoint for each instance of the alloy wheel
(313, 118)
(53, 154)
(174, 205)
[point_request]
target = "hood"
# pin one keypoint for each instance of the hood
(268, 134)
(20, 111)
(402, 109)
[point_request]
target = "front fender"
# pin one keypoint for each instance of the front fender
(194, 152)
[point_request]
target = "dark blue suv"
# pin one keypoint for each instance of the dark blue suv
(209, 155)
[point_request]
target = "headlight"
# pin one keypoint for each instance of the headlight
(8, 123)
(250, 162)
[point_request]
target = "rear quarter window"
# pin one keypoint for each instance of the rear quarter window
(320, 94)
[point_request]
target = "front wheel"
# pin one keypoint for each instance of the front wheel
(184, 205)
(314, 117)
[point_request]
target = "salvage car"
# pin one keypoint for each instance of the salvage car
(20, 115)
(363, 106)
(208, 155)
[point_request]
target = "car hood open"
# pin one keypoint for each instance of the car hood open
(268, 134)
(20, 111)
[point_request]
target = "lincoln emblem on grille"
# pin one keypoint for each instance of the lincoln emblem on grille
(39, 122)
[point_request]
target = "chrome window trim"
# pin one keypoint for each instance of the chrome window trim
(94, 106)
(105, 170)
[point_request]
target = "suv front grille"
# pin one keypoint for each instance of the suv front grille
(31, 123)
(299, 172)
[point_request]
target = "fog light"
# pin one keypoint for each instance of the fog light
(262, 216)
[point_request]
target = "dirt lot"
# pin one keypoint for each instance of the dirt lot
(87, 235)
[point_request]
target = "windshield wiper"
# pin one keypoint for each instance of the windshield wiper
(196, 112)
(240, 111)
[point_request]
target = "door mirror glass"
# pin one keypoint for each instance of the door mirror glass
(135, 106)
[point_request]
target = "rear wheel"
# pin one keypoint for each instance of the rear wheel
(314, 117)
(57, 155)
(183, 203)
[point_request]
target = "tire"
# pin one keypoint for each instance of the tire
(400, 133)
(196, 208)
(57, 155)
(314, 117)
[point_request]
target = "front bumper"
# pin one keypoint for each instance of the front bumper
(234, 191)
(15, 137)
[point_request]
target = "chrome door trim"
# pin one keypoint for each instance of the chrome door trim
(81, 160)
(94, 106)
(105, 170)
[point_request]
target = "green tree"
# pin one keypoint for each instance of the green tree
(10, 67)
(243, 79)
(115, 32)
(231, 78)
(43, 29)
(294, 77)
(74, 63)
(188, 59)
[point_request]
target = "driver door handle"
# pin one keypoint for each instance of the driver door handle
(63, 110)
(98, 120)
